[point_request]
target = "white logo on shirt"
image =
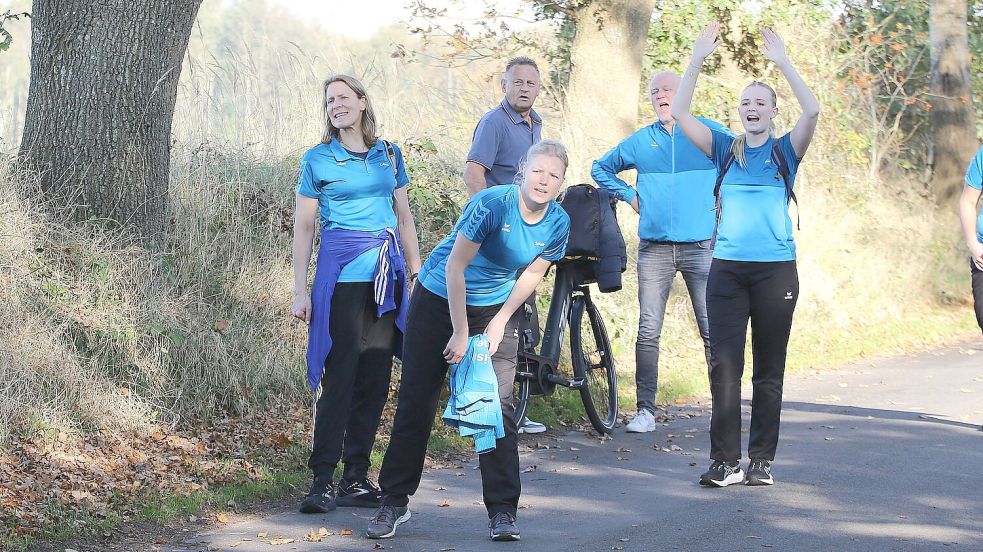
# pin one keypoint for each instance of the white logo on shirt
(654, 144)
(540, 244)
(341, 163)
(383, 164)
(506, 227)
(788, 296)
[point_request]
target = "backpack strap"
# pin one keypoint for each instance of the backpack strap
(391, 153)
(728, 161)
(779, 160)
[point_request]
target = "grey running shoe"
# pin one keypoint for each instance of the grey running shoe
(722, 474)
(385, 521)
(759, 473)
(502, 527)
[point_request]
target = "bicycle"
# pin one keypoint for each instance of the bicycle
(593, 370)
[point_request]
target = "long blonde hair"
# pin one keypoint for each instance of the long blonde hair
(737, 147)
(329, 131)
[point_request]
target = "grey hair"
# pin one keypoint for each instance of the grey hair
(520, 60)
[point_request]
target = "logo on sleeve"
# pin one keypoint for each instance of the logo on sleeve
(506, 227)
(539, 244)
(789, 296)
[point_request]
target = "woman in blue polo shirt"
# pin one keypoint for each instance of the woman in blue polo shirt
(368, 256)
(470, 285)
(972, 224)
(753, 273)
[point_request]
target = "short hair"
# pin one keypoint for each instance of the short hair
(553, 148)
(521, 60)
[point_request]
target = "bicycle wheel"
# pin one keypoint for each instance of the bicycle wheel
(520, 393)
(590, 350)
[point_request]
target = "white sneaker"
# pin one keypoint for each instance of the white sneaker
(529, 426)
(643, 422)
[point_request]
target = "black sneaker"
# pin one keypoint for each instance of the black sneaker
(385, 521)
(722, 474)
(321, 499)
(759, 473)
(502, 527)
(358, 494)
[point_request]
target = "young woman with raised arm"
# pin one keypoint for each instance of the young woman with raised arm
(753, 272)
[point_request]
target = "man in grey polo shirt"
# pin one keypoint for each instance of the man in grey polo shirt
(504, 134)
(500, 142)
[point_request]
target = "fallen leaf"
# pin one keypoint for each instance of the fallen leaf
(529, 469)
(281, 540)
(124, 391)
(378, 546)
(445, 503)
(261, 535)
(345, 532)
(221, 325)
(221, 517)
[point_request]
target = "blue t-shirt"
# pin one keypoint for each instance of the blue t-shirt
(754, 222)
(354, 194)
(501, 141)
(974, 179)
(507, 244)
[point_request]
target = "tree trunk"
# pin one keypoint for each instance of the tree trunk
(104, 79)
(606, 66)
(953, 117)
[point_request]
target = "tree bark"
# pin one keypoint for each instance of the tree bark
(606, 65)
(953, 117)
(104, 79)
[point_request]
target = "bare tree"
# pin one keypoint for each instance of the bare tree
(953, 116)
(104, 79)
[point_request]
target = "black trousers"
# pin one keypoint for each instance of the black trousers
(424, 369)
(977, 292)
(765, 293)
(353, 390)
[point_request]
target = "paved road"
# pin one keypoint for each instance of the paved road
(882, 455)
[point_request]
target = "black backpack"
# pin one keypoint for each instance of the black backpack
(783, 171)
(581, 203)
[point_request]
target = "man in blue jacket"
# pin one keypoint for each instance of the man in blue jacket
(674, 199)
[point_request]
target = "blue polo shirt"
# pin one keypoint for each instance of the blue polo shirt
(974, 179)
(354, 194)
(501, 141)
(754, 221)
(674, 185)
(507, 244)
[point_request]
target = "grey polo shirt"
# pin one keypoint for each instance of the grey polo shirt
(501, 141)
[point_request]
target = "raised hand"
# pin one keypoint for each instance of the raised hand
(773, 46)
(707, 41)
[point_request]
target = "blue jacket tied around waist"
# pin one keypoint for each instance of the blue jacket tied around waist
(338, 248)
(474, 407)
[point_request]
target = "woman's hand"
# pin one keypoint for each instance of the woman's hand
(976, 252)
(456, 348)
(302, 307)
(773, 46)
(707, 41)
(495, 331)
